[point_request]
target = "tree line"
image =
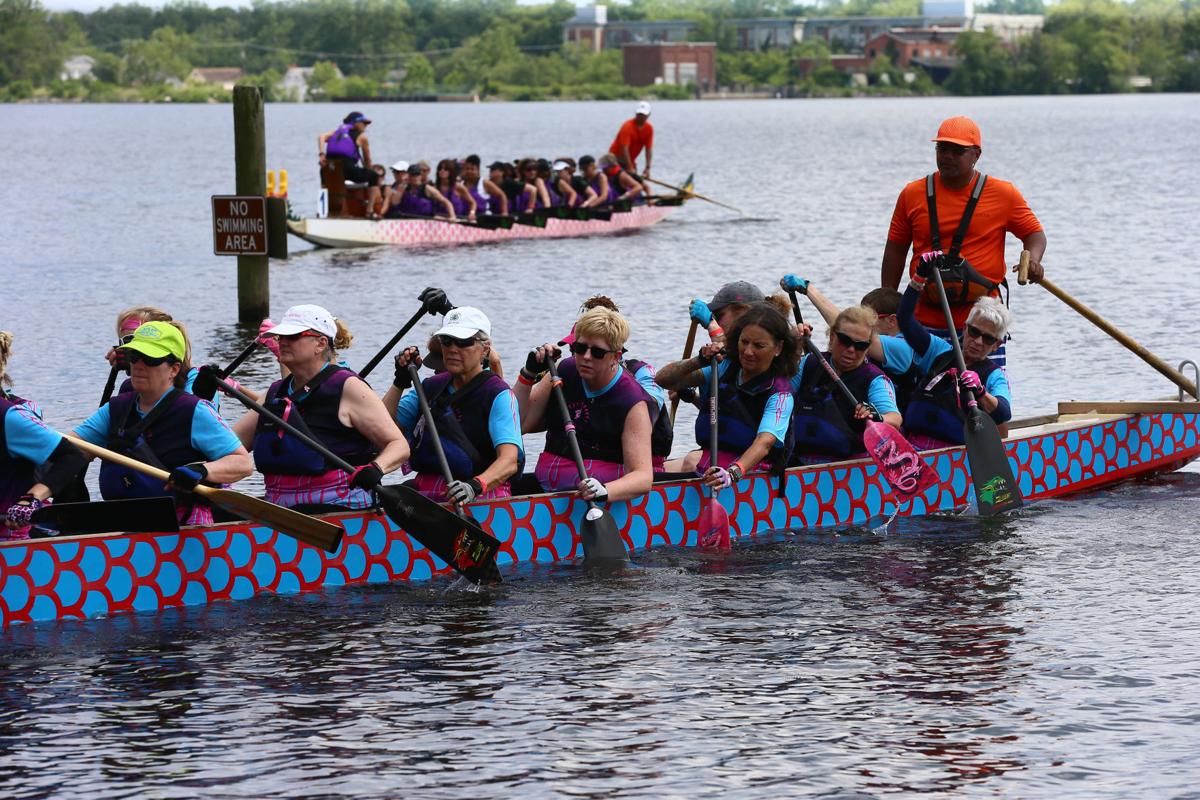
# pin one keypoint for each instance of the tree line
(500, 48)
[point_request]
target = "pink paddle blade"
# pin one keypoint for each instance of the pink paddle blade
(713, 526)
(905, 470)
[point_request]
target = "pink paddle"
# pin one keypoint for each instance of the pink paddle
(905, 470)
(714, 520)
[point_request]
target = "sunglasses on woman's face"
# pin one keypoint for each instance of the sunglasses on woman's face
(579, 348)
(452, 341)
(847, 341)
(149, 361)
(294, 337)
(987, 338)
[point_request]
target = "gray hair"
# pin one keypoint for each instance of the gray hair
(990, 309)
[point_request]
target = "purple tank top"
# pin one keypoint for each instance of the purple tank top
(342, 144)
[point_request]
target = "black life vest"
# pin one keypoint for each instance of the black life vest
(162, 438)
(599, 421)
(462, 425)
(824, 417)
(935, 408)
(662, 435)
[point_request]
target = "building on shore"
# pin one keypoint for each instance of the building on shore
(295, 81)
(77, 68)
(671, 63)
(225, 77)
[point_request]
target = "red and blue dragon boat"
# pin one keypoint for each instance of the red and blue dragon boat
(1083, 447)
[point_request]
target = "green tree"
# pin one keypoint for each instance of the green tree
(164, 55)
(1047, 64)
(29, 49)
(324, 81)
(985, 66)
(418, 75)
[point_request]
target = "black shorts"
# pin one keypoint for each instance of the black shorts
(357, 174)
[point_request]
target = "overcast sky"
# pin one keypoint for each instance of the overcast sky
(92, 5)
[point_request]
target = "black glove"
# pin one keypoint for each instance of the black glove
(403, 378)
(185, 478)
(205, 385)
(928, 262)
(435, 301)
(367, 477)
(121, 360)
(533, 369)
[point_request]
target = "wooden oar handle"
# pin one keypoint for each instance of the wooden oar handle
(687, 353)
(127, 461)
(1023, 268)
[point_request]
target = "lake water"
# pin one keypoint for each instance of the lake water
(1053, 653)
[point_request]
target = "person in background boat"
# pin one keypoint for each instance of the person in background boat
(562, 192)
(384, 189)
(609, 409)
(662, 435)
(934, 415)
(393, 194)
(450, 187)
(348, 144)
(526, 191)
(626, 186)
(888, 348)
(331, 404)
(158, 423)
(754, 401)
(489, 197)
(418, 199)
(36, 463)
(1001, 209)
(597, 180)
(635, 135)
(504, 175)
(474, 409)
(545, 179)
(828, 427)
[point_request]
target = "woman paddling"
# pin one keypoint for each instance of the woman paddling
(158, 423)
(418, 199)
(489, 197)
(754, 400)
(332, 404)
(934, 415)
(627, 186)
(608, 408)
(449, 186)
(35, 462)
(828, 426)
(474, 409)
(597, 181)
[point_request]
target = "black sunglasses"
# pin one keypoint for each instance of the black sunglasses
(951, 148)
(150, 361)
(988, 339)
(579, 348)
(462, 344)
(849, 342)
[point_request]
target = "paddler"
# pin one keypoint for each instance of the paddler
(633, 136)
(934, 415)
(562, 191)
(526, 191)
(474, 409)
(395, 193)
(828, 426)
(626, 186)
(35, 462)
(450, 187)
(597, 180)
(754, 401)
(489, 197)
(159, 423)
(609, 409)
(335, 406)
(977, 269)
(418, 199)
(348, 144)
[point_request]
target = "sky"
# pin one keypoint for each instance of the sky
(92, 5)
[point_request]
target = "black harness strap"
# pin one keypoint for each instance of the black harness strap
(127, 437)
(964, 223)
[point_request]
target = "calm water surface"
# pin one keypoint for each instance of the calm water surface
(1053, 653)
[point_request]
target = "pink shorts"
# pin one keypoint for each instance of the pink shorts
(333, 488)
(556, 473)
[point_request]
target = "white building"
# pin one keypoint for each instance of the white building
(295, 81)
(77, 68)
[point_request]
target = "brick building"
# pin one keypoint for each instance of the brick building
(672, 63)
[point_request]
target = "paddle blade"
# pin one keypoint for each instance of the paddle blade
(309, 530)
(713, 526)
(996, 489)
(906, 472)
(458, 541)
(601, 539)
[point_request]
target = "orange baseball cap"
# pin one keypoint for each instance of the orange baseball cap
(959, 130)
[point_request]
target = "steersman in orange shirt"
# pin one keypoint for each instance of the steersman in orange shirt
(635, 135)
(976, 253)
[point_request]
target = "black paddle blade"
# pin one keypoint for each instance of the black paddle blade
(146, 514)
(601, 540)
(459, 542)
(996, 489)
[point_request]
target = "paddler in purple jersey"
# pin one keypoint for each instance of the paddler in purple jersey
(418, 199)
(450, 187)
(489, 197)
(348, 144)
(597, 180)
(626, 185)
(609, 410)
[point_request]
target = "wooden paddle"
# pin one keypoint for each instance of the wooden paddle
(996, 489)
(906, 472)
(458, 541)
(307, 529)
(713, 526)
(687, 353)
(1100, 322)
(601, 539)
(431, 428)
(387, 348)
(690, 193)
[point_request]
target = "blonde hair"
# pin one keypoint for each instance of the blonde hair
(143, 313)
(855, 315)
(6, 340)
(780, 302)
(604, 323)
(344, 337)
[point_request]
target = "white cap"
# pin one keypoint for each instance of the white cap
(400, 166)
(559, 165)
(643, 108)
(464, 322)
(299, 319)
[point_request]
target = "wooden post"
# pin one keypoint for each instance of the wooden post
(250, 154)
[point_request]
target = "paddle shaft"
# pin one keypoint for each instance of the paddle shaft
(109, 385)
(387, 348)
(1125, 339)
(714, 387)
(568, 426)
(687, 353)
(431, 426)
(958, 354)
(241, 358)
(689, 193)
(817, 354)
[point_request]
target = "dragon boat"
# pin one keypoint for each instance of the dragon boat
(1082, 447)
